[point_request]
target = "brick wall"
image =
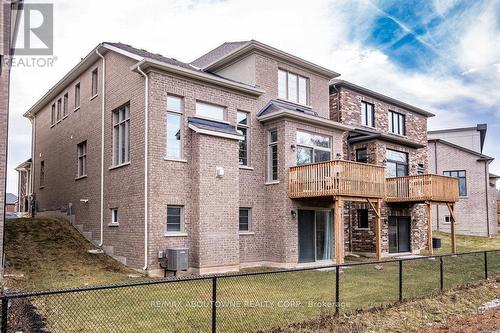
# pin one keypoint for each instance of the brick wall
(470, 210)
(345, 105)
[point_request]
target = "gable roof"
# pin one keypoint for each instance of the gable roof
(217, 53)
(143, 58)
(230, 51)
(278, 109)
(10, 199)
(342, 83)
(481, 157)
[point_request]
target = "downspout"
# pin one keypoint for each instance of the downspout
(33, 165)
(435, 172)
(146, 135)
(101, 242)
(486, 176)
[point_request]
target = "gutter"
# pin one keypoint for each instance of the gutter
(102, 145)
(146, 135)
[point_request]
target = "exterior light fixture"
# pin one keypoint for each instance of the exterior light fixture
(293, 147)
(294, 213)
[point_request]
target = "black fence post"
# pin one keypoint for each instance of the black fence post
(337, 290)
(5, 313)
(400, 280)
(214, 304)
(486, 265)
(441, 274)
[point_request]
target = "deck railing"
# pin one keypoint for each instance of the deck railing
(426, 187)
(337, 177)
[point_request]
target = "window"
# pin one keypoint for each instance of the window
(293, 87)
(244, 129)
(121, 136)
(397, 163)
(58, 109)
(367, 114)
(362, 155)
(53, 115)
(114, 215)
(211, 111)
(82, 159)
(447, 219)
(462, 180)
(174, 219)
(312, 148)
(272, 156)
(65, 105)
(362, 218)
(174, 125)
(244, 219)
(397, 123)
(77, 96)
(94, 83)
(42, 173)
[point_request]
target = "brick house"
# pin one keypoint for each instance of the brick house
(458, 152)
(247, 156)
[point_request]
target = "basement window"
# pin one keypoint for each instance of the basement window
(114, 216)
(362, 218)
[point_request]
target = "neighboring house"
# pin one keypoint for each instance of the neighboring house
(10, 203)
(24, 188)
(8, 28)
(244, 156)
(458, 153)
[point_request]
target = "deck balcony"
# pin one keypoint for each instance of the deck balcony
(422, 188)
(337, 178)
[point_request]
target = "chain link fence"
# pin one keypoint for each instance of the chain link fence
(242, 302)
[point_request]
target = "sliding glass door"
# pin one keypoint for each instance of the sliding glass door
(315, 235)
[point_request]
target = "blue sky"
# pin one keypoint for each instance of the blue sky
(440, 55)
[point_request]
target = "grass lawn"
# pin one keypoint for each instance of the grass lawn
(244, 303)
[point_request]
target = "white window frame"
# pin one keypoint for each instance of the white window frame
(364, 114)
(270, 145)
(401, 120)
(297, 88)
(118, 126)
(77, 96)
(249, 223)
(65, 105)
(94, 85)
(223, 108)
(330, 149)
(53, 115)
(248, 135)
(115, 217)
(181, 221)
(82, 159)
(178, 113)
(59, 110)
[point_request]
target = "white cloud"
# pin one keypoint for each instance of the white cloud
(329, 33)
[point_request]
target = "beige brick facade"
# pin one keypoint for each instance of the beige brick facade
(210, 202)
(476, 212)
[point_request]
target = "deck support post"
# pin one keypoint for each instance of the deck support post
(429, 228)
(378, 228)
(451, 208)
(339, 231)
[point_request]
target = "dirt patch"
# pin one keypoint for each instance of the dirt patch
(486, 322)
(23, 317)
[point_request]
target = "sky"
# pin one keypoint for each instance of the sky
(439, 55)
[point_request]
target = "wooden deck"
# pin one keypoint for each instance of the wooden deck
(337, 178)
(422, 188)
